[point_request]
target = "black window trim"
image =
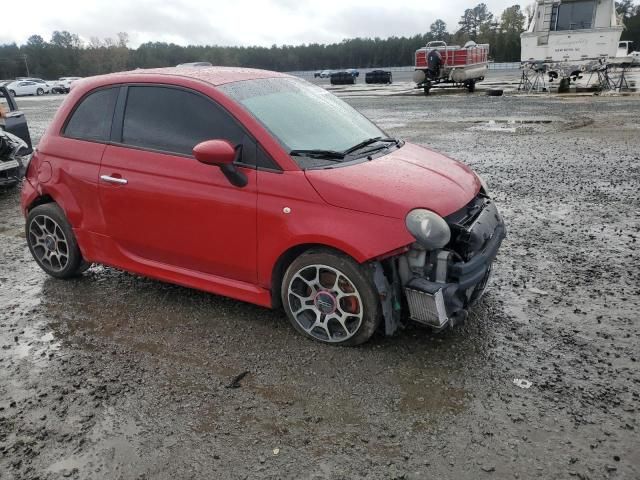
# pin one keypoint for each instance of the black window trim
(118, 124)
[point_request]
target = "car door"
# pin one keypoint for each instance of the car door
(22, 88)
(14, 120)
(160, 204)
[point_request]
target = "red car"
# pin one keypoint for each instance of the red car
(262, 187)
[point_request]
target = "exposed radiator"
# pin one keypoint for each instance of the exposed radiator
(427, 308)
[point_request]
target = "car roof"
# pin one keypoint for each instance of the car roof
(212, 75)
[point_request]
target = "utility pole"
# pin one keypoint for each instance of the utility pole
(26, 64)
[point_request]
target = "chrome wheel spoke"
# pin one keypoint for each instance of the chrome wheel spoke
(301, 298)
(313, 283)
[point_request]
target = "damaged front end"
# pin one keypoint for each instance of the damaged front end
(446, 270)
(14, 159)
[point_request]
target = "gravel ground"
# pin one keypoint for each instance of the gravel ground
(116, 376)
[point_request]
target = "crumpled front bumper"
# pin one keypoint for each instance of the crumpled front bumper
(459, 284)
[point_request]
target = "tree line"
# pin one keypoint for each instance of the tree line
(66, 54)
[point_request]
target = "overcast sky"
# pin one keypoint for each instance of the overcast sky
(232, 22)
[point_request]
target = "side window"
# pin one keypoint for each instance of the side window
(91, 120)
(174, 120)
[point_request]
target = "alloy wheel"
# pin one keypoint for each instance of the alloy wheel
(49, 243)
(325, 303)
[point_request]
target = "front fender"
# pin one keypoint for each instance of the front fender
(360, 235)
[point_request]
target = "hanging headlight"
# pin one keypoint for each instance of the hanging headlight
(428, 228)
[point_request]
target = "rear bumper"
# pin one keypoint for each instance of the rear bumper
(441, 303)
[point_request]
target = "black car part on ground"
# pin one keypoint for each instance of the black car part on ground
(342, 78)
(378, 76)
(14, 120)
(13, 154)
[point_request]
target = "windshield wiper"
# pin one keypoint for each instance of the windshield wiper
(318, 153)
(368, 142)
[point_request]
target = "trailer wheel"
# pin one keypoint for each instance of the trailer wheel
(471, 86)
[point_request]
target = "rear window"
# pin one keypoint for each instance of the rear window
(91, 120)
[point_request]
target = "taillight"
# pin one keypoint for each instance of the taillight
(28, 162)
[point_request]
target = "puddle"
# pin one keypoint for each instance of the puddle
(517, 122)
(513, 125)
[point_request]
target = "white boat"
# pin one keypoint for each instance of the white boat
(571, 36)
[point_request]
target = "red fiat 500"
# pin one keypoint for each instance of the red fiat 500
(265, 188)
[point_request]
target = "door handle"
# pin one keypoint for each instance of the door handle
(119, 181)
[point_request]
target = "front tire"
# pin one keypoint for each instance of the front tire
(52, 242)
(330, 298)
(39, 92)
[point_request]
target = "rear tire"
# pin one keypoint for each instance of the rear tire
(52, 242)
(330, 298)
(471, 86)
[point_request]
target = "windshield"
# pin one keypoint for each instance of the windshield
(303, 116)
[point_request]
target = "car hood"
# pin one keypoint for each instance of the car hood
(407, 178)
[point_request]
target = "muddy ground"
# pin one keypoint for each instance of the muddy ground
(116, 376)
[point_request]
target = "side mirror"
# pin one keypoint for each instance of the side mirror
(215, 152)
(222, 154)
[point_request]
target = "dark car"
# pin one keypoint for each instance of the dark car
(378, 76)
(15, 141)
(342, 78)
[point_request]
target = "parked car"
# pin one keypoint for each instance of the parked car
(325, 73)
(317, 74)
(63, 85)
(43, 83)
(262, 187)
(342, 78)
(378, 76)
(15, 141)
(353, 72)
(25, 87)
(12, 119)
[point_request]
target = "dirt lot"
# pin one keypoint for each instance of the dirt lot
(116, 376)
